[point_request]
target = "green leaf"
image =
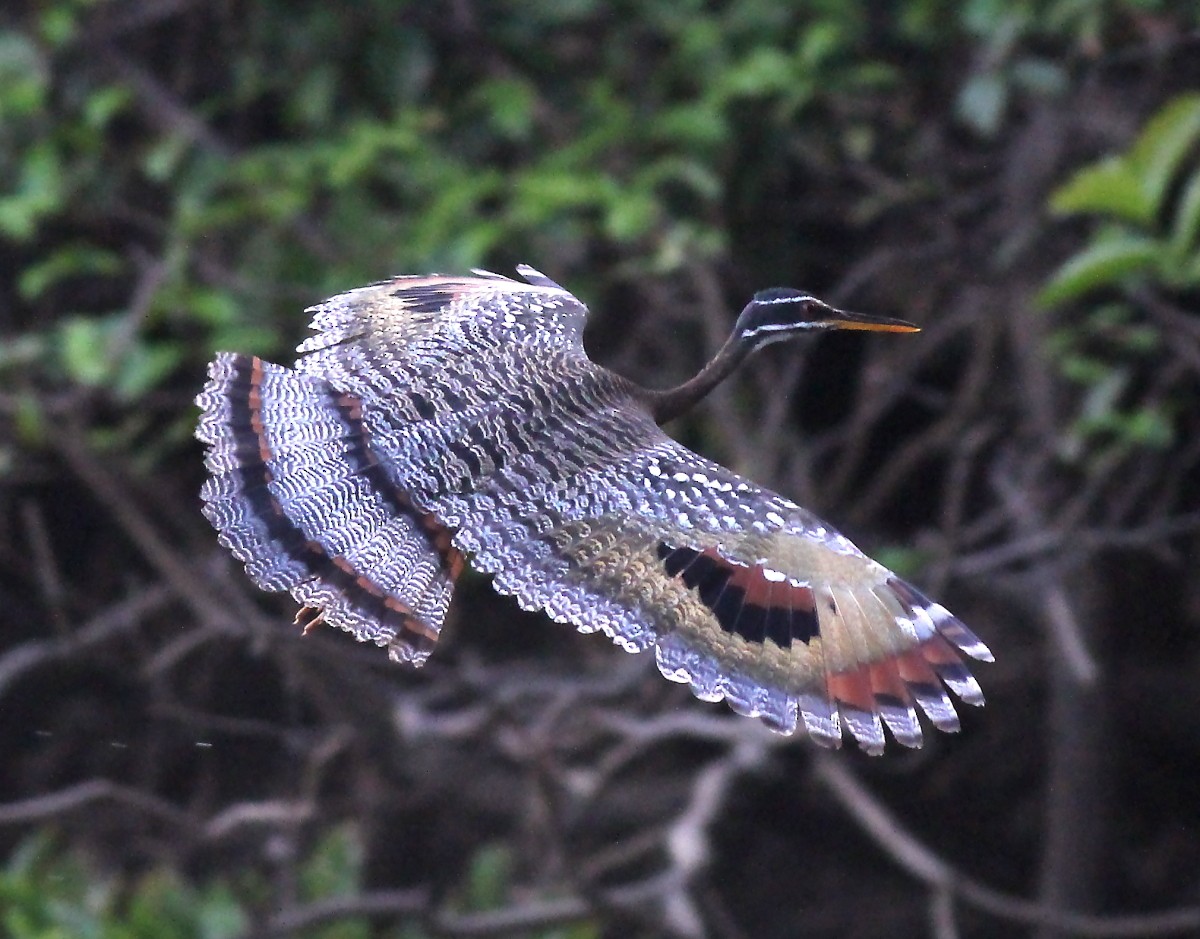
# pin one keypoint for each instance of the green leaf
(1191, 272)
(1149, 427)
(1141, 340)
(489, 878)
(40, 191)
(104, 104)
(334, 867)
(315, 98)
(630, 216)
(693, 176)
(24, 76)
(904, 560)
(216, 309)
(1185, 232)
(692, 124)
(819, 43)
(1106, 263)
(75, 260)
(1168, 138)
(1110, 188)
(59, 24)
(510, 104)
(1145, 427)
(31, 429)
(1084, 369)
(83, 350)
(542, 194)
(1132, 187)
(763, 72)
(164, 158)
(145, 366)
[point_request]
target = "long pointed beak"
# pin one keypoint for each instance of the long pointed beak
(842, 319)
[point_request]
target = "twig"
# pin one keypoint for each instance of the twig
(687, 841)
(169, 563)
(1063, 625)
(941, 915)
(520, 918)
(116, 618)
(377, 903)
(244, 814)
(39, 808)
(172, 116)
(1070, 547)
(913, 856)
(45, 565)
(1068, 634)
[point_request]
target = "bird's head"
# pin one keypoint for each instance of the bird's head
(783, 313)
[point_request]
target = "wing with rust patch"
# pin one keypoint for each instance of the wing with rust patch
(832, 643)
(744, 595)
(836, 641)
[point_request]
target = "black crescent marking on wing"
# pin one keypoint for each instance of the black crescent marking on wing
(744, 601)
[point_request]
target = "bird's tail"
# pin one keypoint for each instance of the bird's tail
(299, 497)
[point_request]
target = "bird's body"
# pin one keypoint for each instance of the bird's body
(435, 417)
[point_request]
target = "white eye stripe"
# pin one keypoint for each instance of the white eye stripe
(799, 299)
(775, 328)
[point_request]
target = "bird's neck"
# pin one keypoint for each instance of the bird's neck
(671, 403)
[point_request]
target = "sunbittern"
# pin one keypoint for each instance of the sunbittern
(435, 417)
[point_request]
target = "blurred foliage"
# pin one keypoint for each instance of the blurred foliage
(490, 885)
(248, 189)
(1102, 353)
(151, 224)
(47, 893)
(1146, 238)
(1025, 48)
(1147, 201)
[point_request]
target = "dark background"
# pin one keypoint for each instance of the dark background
(178, 177)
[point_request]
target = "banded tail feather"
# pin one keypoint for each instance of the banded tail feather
(297, 495)
(432, 418)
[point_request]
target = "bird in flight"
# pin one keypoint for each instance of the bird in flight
(436, 418)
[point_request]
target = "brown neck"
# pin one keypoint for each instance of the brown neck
(669, 404)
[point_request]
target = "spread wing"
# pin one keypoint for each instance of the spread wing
(743, 595)
(384, 329)
(480, 405)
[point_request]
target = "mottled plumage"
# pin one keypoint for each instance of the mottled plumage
(434, 417)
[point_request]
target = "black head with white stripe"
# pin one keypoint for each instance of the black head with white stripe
(772, 316)
(783, 313)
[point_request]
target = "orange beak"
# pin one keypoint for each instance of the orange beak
(840, 319)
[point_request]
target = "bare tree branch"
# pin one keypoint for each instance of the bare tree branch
(939, 875)
(41, 808)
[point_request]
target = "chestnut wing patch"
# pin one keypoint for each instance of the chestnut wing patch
(754, 602)
(883, 650)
